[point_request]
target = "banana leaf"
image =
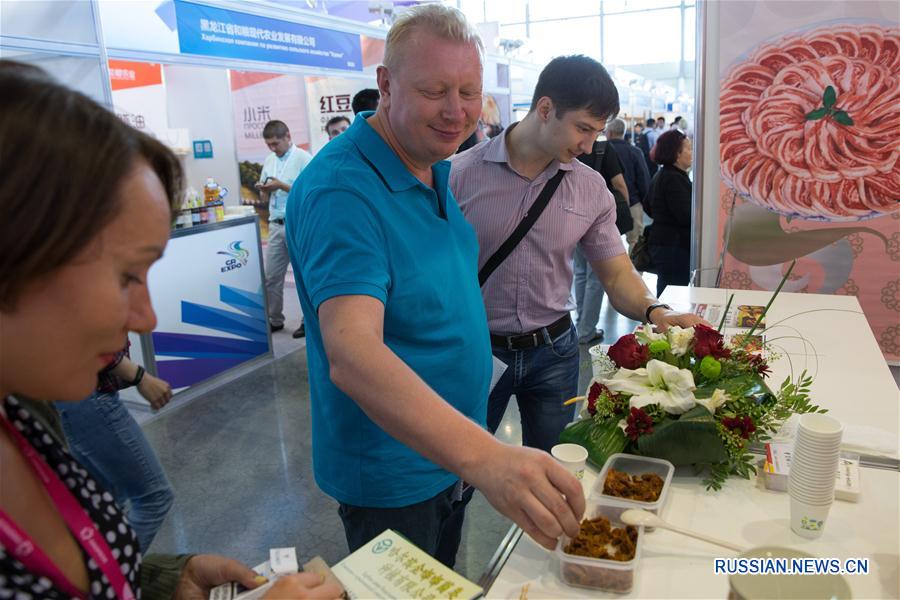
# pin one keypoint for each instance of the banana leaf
(692, 439)
(601, 441)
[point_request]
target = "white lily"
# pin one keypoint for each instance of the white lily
(660, 383)
(712, 403)
(679, 339)
(645, 334)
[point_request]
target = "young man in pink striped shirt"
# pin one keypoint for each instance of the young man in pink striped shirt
(527, 296)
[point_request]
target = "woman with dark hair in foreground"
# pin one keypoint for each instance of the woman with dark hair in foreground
(87, 205)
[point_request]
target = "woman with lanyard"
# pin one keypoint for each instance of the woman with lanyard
(87, 205)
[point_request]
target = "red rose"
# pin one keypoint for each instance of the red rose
(709, 342)
(628, 353)
(593, 394)
(638, 423)
(743, 426)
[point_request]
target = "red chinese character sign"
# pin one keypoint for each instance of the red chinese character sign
(139, 96)
(329, 97)
(809, 152)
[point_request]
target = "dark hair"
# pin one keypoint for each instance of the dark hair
(366, 99)
(64, 158)
(675, 122)
(577, 82)
(667, 147)
(275, 129)
(651, 122)
(334, 120)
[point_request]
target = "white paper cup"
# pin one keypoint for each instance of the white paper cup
(808, 520)
(572, 457)
(819, 426)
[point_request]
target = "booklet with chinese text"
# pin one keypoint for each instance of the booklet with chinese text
(392, 567)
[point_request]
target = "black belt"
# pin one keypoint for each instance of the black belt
(278, 221)
(532, 339)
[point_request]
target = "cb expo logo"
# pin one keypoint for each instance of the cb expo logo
(238, 256)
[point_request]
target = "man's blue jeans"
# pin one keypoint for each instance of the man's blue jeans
(109, 443)
(434, 525)
(542, 379)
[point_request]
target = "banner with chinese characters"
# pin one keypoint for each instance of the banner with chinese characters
(258, 98)
(139, 96)
(329, 97)
(213, 31)
(810, 163)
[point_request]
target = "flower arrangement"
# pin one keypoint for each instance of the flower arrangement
(688, 397)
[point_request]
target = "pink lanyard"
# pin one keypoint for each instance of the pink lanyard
(27, 552)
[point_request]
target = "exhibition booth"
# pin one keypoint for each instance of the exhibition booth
(204, 77)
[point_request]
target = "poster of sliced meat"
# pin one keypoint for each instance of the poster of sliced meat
(809, 145)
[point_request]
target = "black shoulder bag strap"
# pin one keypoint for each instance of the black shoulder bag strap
(516, 236)
(598, 151)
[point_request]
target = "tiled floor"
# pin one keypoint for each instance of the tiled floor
(239, 459)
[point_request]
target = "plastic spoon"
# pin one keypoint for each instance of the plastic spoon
(637, 517)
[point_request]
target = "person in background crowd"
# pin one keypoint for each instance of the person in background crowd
(660, 125)
(73, 270)
(336, 126)
(527, 296)
(105, 438)
(670, 207)
(643, 143)
(363, 100)
(652, 132)
(477, 136)
(279, 171)
(492, 130)
(636, 131)
(398, 407)
(634, 171)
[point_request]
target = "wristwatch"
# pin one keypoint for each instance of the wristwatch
(653, 307)
(137, 376)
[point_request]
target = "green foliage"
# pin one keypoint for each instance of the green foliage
(601, 440)
(693, 438)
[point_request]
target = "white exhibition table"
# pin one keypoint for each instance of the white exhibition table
(830, 338)
(854, 383)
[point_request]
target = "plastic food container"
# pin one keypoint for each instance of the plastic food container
(596, 573)
(636, 465)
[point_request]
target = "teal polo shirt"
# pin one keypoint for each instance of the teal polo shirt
(359, 223)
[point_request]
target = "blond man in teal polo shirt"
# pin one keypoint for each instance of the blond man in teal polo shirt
(398, 349)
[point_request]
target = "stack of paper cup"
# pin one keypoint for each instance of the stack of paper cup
(813, 467)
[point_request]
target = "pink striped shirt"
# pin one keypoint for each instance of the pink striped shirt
(531, 288)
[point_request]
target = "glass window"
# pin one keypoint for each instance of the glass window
(690, 33)
(642, 38)
(80, 73)
(615, 6)
(59, 20)
(554, 9)
(558, 38)
(505, 12)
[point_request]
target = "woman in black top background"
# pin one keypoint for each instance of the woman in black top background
(670, 207)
